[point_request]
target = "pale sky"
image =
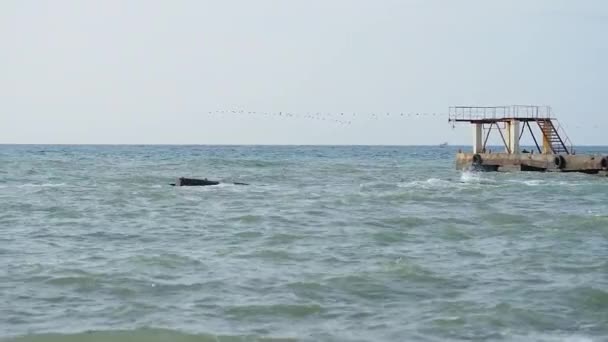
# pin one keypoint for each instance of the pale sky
(149, 72)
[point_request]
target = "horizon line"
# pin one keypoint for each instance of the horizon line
(246, 144)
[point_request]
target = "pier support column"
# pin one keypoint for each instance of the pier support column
(547, 149)
(477, 138)
(513, 136)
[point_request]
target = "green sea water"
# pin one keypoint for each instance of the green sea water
(325, 244)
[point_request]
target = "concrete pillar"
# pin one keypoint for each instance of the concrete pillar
(477, 138)
(546, 144)
(513, 136)
(507, 133)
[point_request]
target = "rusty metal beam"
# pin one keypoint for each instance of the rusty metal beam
(533, 137)
(503, 139)
(489, 121)
(485, 142)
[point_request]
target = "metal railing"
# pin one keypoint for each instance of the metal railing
(561, 132)
(499, 112)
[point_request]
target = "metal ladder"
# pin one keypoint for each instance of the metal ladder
(556, 136)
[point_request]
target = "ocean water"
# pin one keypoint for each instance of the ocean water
(325, 244)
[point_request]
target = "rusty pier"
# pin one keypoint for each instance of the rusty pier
(552, 151)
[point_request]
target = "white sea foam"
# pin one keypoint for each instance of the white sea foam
(529, 182)
(551, 338)
(471, 177)
(428, 183)
(44, 185)
(213, 187)
(544, 182)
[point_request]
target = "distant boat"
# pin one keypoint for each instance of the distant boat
(443, 144)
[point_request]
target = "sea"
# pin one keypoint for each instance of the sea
(326, 243)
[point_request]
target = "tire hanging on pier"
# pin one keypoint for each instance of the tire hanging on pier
(604, 163)
(559, 161)
(477, 160)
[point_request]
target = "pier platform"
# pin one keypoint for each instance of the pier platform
(532, 162)
(553, 151)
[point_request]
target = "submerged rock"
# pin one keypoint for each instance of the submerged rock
(195, 182)
(198, 182)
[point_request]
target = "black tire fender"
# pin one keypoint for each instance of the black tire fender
(477, 160)
(559, 161)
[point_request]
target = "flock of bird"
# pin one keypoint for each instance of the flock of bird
(348, 118)
(342, 118)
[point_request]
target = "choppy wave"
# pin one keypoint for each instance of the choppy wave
(44, 185)
(143, 335)
(471, 177)
(428, 183)
(466, 178)
(557, 337)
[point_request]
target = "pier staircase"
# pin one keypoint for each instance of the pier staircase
(555, 136)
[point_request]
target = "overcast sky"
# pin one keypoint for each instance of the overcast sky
(144, 71)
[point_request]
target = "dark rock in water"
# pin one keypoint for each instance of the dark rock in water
(195, 182)
(198, 182)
